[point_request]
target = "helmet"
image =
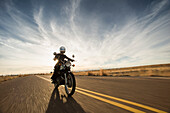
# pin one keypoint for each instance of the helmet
(62, 49)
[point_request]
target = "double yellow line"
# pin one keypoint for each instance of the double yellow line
(91, 94)
(119, 99)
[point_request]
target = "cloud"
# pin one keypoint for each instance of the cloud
(134, 40)
(29, 41)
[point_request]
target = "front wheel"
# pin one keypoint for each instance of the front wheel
(70, 84)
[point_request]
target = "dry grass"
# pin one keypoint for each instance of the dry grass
(9, 77)
(149, 70)
(5, 78)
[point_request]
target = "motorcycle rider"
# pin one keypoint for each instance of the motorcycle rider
(60, 57)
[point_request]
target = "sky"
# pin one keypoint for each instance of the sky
(100, 33)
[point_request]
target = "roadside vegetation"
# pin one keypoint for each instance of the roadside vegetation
(159, 70)
(9, 77)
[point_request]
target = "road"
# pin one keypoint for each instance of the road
(35, 94)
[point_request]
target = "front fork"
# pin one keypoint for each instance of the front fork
(65, 76)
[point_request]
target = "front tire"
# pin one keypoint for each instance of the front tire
(71, 84)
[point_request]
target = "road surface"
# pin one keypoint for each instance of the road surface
(35, 94)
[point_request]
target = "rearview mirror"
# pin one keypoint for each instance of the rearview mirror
(54, 53)
(73, 56)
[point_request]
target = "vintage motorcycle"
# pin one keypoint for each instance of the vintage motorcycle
(66, 78)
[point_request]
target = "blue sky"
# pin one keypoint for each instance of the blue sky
(101, 34)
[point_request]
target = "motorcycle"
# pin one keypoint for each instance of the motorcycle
(66, 78)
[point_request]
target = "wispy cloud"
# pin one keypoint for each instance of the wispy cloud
(29, 41)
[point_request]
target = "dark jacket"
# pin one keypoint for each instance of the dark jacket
(61, 58)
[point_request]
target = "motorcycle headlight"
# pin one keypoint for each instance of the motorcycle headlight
(62, 67)
(68, 64)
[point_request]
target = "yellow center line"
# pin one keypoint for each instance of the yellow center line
(80, 90)
(112, 102)
(126, 101)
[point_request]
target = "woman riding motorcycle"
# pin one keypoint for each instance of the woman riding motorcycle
(60, 57)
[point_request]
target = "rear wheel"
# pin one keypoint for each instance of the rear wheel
(71, 84)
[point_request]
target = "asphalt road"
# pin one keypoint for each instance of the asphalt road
(35, 94)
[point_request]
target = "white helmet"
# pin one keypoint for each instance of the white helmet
(62, 49)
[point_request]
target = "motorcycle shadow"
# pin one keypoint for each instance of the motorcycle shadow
(61, 104)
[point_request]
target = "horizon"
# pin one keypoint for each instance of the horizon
(100, 34)
(85, 70)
